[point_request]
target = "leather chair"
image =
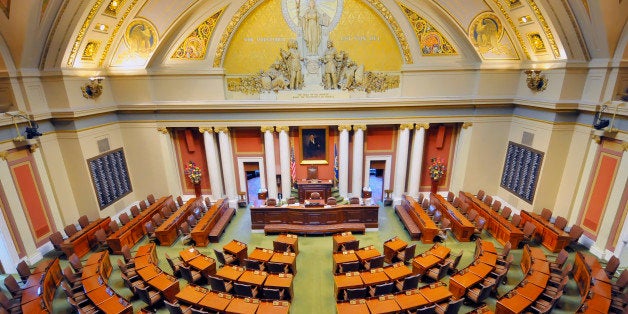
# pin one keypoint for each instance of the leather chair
(451, 307)
(23, 270)
(245, 290)
(351, 245)
(407, 254)
(70, 230)
(56, 239)
(381, 289)
(130, 272)
(277, 268)
(348, 267)
(192, 276)
(428, 309)
(354, 293)
(83, 221)
(560, 223)
(180, 201)
(479, 293)
(281, 247)
(253, 264)
(273, 293)
(528, 234)
(175, 266)
(14, 288)
(148, 296)
(76, 264)
(71, 278)
(506, 212)
(408, 283)
(177, 308)
(124, 219)
(374, 263)
(151, 199)
(219, 284)
(150, 231)
(225, 258)
(546, 214)
(113, 227)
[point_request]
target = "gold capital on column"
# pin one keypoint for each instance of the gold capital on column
(597, 139)
(467, 124)
(624, 145)
(359, 127)
(163, 130)
(344, 127)
(406, 126)
(221, 129)
(33, 147)
(267, 128)
(284, 128)
(4, 155)
(422, 126)
(208, 129)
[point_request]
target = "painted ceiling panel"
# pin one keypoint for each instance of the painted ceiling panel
(162, 13)
(463, 10)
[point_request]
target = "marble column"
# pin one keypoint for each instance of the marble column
(213, 162)
(401, 164)
(172, 178)
(358, 159)
(284, 160)
(343, 160)
(269, 152)
(461, 156)
(416, 158)
(226, 156)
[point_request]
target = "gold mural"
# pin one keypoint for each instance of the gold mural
(546, 29)
(141, 36)
(536, 42)
(486, 32)
(115, 31)
(90, 51)
(513, 27)
(113, 6)
(194, 47)
(431, 41)
(81, 33)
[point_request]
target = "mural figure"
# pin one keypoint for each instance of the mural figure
(311, 25)
(330, 77)
(292, 60)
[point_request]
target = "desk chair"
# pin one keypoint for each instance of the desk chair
(192, 221)
(479, 227)
(453, 262)
(166, 212)
(545, 303)
(450, 196)
(619, 286)
(244, 290)
(192, 276)
(23, 270)
(472, 215)
(560, 223)
(354, 293)
(208, 203)
(439, 271)
(157, 220)
(381, 289)
(480, 194)
(185, 233)
(506, 212)
(128, 271)
(574, 234)
(451, 307)
(225, 258)
(456, 203)
(179, 201)
(56, 239)
(464, 208)
(497, 205)
(552, 288)
(351, 245)
(177, 308)
(75, 294)
(546, 214)
(128, 258)
(83, 221)
(70, 230)
(425, 203)
(101, 241)
(113, 227)
(408, 283)
(85, 307)
(516, 220)
(488, 200)
(505, 251)
(479, 293)
(198, 212)
(406, 254)
(559, 262)
(501, 268)
(194, 310)
(75, 263)
(273, 293)
(175, 266)
(14, 288)
(219, 284)
(132, 284)
(124, 219)
(150, 231)
(348, 267)
(445, 225)
(148, 296)
(142, 205)
(428, 309)
(557, 277)
(528, 234)
(281, 247)
(611, 266)
(253, 264)
(375, 262)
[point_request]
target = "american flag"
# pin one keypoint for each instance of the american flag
(336, 163)
(293, 165)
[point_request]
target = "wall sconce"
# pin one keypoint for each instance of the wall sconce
(536, 81)
(93, 89)
(31, 129)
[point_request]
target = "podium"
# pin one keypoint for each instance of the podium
(307, 187)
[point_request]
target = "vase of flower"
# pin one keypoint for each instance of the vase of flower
(437, 171)
(193, 172)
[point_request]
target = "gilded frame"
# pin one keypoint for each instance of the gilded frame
(314, 151)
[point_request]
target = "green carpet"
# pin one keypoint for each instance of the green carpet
(313, 284)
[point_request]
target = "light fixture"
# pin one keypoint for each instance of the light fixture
(93, 88)
(537, 82)
(31, 130)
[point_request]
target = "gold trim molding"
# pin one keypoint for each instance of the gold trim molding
(546, 29)
(359, 127)
(406, 126)
(200, 35)
(115, 32)
(597, 139)
(344, 127)
(267, 128)
(513, 27)
(284, 128)
(624, 146)
(4, 155)
(33, 147)
(422, 126)
(163, 130)
(466, 125)
(221, 129)
(82, 31)
(205, 129)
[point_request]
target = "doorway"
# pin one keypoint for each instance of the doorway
(377, 175)
(253, 184)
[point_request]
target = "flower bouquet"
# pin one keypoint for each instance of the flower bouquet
(437, 169)
(193, 172)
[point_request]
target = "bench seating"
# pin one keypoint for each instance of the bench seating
(408, 222)
(314, 229)
(213, 223)
(221, 224)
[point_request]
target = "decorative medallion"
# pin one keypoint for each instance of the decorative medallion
(194, 47)
(141, 36)
(536, 42)
(431, 41)
(486, 32)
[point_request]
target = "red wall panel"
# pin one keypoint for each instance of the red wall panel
(380, 139)
(191, 147)
(439, 142)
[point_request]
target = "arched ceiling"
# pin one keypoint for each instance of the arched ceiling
(120, 36)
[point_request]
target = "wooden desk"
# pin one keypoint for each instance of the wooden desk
(552, 238)
(314, 216)
(427, 226)
(342, 238)
(391, 247)
(253, 277)
(280, 281)
(374, 277)
(428, 259)
(168, 233)
(307, 187)
(367, 253)
(168, 285)
(461, 227)
(200, 232)
(216, 301)
(81, 242)
(261, 254)
(242, 306)
(42, 293)
(198, 261)
(189, 254)
(191, 295)
(411, 300)
(146, 255)
(597, 294)
(343, 257)
(291, 240)
(397, 271)
(501, 229)
(353, 307)
(238, 249)
(511, 304)
(230, 272)
(383, 305)
(286, 258)
(435, 293)
(346, 281)
(274, 307)
(459, 283)
(133, 232)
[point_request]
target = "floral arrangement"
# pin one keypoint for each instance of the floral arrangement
(437, 168)
(193, 172)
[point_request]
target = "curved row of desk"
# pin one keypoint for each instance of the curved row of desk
(96, 271)
(40, 287)
(400, 302)
(484, 264)
(226, 303)
(593, 283)
(146, 267)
